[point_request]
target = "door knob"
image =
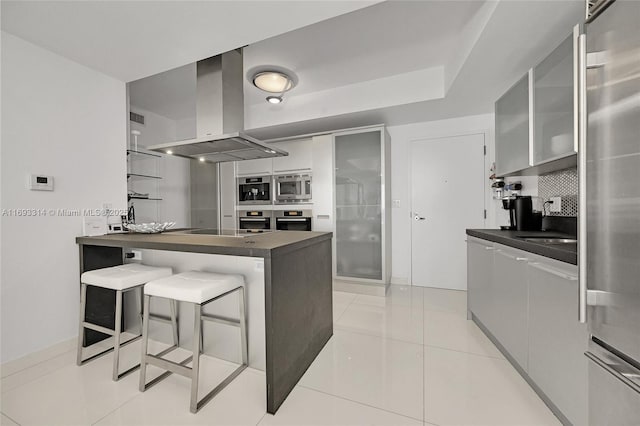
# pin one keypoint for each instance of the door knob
(418, 217)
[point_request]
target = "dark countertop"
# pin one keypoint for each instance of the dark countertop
(563, 252)
(255, 245)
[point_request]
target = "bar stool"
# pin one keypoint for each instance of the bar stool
(121, 278)
(199, 289)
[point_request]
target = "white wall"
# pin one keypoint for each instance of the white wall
(401, 136)
(62, 119)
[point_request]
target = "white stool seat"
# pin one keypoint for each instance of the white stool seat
(193, 286)
(123, 277)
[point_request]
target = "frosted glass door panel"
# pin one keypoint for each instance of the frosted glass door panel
(553, 94)
(358, 181)
(512, 129)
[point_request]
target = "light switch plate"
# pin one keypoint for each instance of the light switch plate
(396, 204)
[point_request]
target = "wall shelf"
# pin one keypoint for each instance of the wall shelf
(142, 153)
(139, 176)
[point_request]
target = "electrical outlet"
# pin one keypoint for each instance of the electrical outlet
(396, 204)
(556, 204)
(137, 255)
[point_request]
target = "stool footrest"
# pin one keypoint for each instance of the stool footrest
(106, 351)
(99, 328)
(160, 318)
(166, 373)
(171, 366)
(220, 319)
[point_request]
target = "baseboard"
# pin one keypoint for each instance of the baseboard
(371, 289)
(400, 280)
(12, 367)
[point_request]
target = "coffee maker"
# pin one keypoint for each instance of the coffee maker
(521, 215)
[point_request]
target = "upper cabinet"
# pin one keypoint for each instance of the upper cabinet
(553, 111)
(299, 159)
(512, 128)
(260, 167)
(535, 119)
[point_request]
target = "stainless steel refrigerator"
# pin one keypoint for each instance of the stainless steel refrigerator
(610, 208)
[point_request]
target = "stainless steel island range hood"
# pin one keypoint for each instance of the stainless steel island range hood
(220, 116)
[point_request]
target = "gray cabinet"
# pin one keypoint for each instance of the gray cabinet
(479, 279)
(529, 304)
(553, 118)
(362, 205)
(512, 128)
(510, 298)
(557, 341)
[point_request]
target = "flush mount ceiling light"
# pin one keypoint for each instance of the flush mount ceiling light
(274, 80)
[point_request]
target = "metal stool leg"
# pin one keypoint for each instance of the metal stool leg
(83, 302)
(116, 335)
(145, 339)
(243, 327)
(195, 366)
(173, 304)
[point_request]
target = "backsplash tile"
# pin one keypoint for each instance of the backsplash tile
(562, 184)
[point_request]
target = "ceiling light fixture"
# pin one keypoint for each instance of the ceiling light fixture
(273, 81)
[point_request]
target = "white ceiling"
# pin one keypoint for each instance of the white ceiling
(133, 39)
(389, 38)
(479, 48)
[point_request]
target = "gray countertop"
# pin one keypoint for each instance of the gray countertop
(256, 245)
(563, 252)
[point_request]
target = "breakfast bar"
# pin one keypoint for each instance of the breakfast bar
(293, 270)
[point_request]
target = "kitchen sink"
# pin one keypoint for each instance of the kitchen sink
(548, 240)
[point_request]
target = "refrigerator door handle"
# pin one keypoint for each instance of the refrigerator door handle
(580, 140)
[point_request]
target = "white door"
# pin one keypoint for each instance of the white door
(447, 197)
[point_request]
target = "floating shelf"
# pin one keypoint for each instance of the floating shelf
(133, 197)
(134, 152)
(138, 176)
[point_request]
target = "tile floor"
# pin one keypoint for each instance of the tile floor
(411, 358)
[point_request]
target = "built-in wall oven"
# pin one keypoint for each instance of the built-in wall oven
(292, 188)
(254, 190)
(254, 220)
(293, 220)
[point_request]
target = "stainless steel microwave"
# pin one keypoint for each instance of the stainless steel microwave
(292, 188)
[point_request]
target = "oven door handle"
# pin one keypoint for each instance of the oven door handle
(296, 219)
(253, 219)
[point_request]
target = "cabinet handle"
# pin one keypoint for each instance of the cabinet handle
(253, 174)
(488, 248)
(553, 271)
(305, 169)
(521, 259)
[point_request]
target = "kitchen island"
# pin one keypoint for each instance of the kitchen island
(294, 269)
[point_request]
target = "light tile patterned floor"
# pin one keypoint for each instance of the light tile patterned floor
(411, 358)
